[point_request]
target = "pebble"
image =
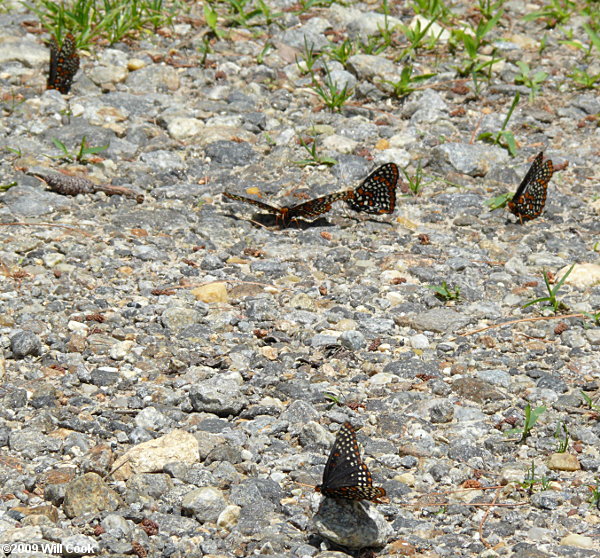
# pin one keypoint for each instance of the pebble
(563, 462)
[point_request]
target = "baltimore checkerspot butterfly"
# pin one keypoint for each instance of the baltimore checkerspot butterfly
(377, 193)
(530, 197)
(64, 63)
(345, 475)
(310, 209)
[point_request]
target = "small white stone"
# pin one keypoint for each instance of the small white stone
(77, 327)
(419, 341)
(580, 541)
(228, 517)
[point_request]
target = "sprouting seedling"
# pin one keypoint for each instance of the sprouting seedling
(405, 85)
(594, 499)
(589, 401)
(552, 292)
(562, 436)
(531, 80)
(444, 292)
(315, 159)
(309, 58)
(593, 317)
(80, 154)
(333, 97)
(335, 400)
(415, 182)
(504, 138)
(531, 417)
(531, 480)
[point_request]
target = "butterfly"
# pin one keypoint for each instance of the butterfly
(312, 208)
(64, 63)
(530, 197)
(377, 193)
(345, 475)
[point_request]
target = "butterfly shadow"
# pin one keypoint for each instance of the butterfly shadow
(272, 221)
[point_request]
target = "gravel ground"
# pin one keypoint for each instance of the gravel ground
(173, 372)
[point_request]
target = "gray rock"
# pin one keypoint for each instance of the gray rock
(32, 444)
(352, 340)
(222, 397)
(117, 526)
(205, 504)
(477, 390)
(25, 343)
(470, 159)
(439, 320)
(230, 153)
(177, 318)
(442, 412)
(151, 419)
(89, 494)
(351, 524)
(495, 377)
(34, 202)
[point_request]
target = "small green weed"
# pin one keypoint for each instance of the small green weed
(211, 17)
(342, 52)
(431, 9)
(530, 480)
(552, 292)
(8, 186)
(504, 138)
(558, 11)
(377, 43)
(315, 159)
(531, 417)
(80, 154)
(110, 19)
(416, 37)
(16, 150)
(333, 398)
(499, 201)
(585, 80)
(594, 38)
(472, 40)
(444, 292)
(306, 5)
(530, 79)
(595, 318)
(415, 182)
(265, 50)
(562, 436)
(309, 57)
(404, 86)
(589, 401)
(333, 97)
(488, 8)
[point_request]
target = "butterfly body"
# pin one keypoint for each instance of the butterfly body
(64, 63)
(309, 209)
(529, 199)
(377, 193)
(345, 475)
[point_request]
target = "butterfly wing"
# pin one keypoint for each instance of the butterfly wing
(345, 475)
(262, 205)
(316, 207)
(530, 197)
(377, 193)
(54, 50)
(64, 64)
